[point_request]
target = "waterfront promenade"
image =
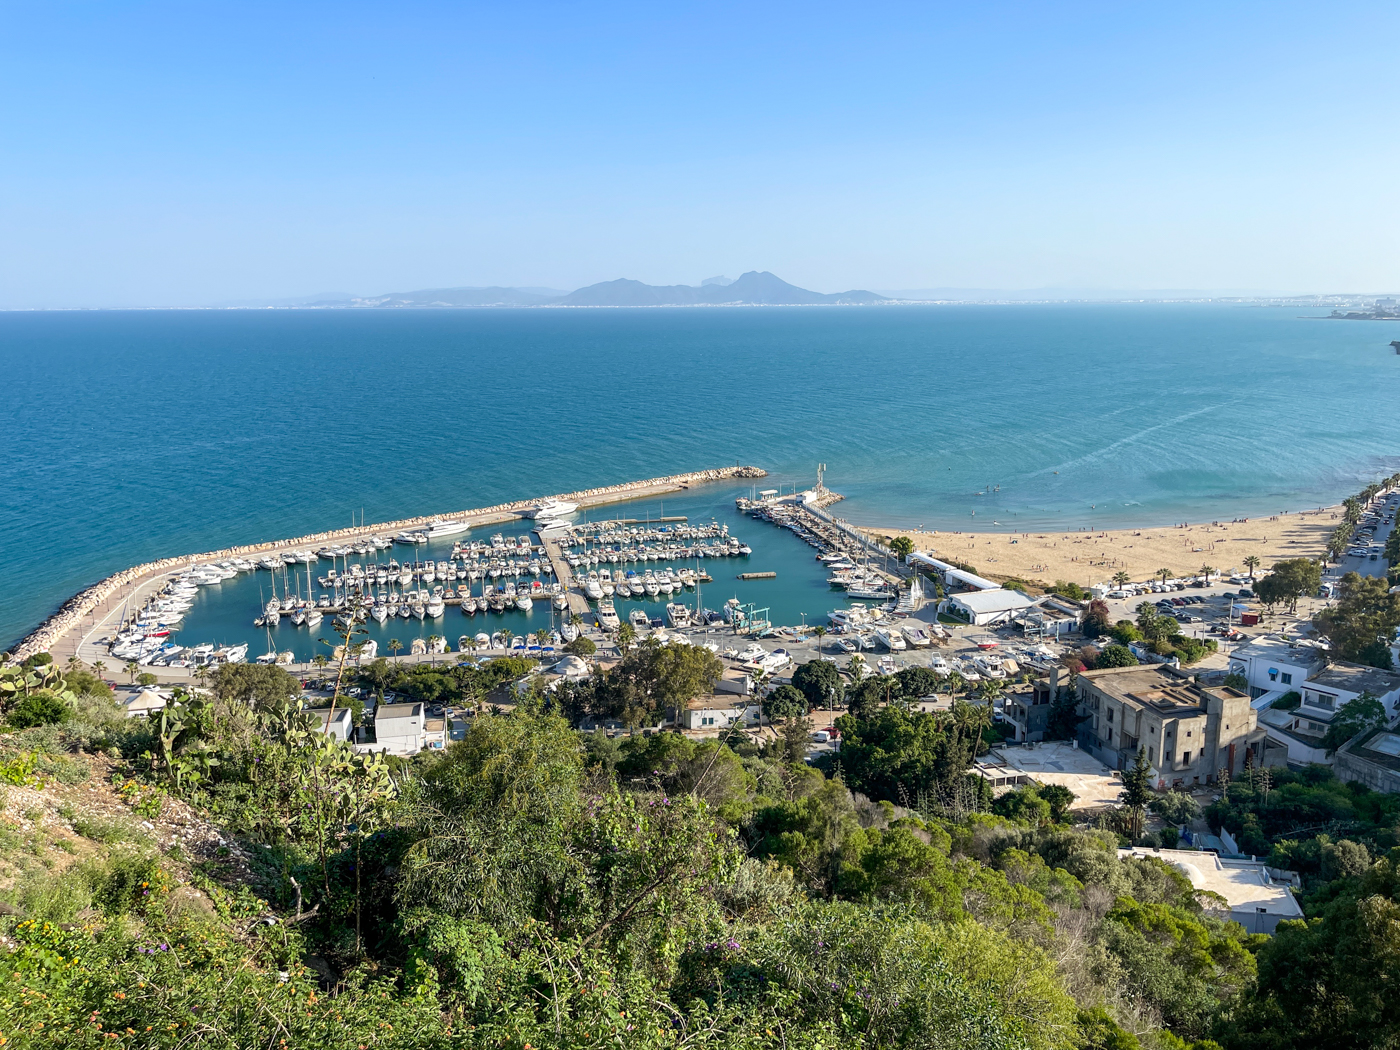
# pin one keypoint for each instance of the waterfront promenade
(98, 609)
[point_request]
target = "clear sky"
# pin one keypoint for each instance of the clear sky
(166, 154)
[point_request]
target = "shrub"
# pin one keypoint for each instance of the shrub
(40, 708)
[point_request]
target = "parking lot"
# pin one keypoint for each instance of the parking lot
(1365, 555)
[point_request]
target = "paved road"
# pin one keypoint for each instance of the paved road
(1368, 566)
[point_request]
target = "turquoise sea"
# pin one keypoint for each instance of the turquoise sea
(133, 435)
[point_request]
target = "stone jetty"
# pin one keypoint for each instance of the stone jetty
(75, 611)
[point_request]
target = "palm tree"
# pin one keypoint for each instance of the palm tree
(856, 665)
(1166, 574)
(395, 646)
(1251, 563)
(1120, 577)
(74, 664)
(576, 620)
(132, 668)
(506, 636)
(98, 667)
(1206, 570)
(433, 639)
(626, 635)
(820, 632)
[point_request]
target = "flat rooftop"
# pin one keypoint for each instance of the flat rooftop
(1150, 686)
(1058, 762)
(1356, 678)
(1246, 885)
(1270, 648)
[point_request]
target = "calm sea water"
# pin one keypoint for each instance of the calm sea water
(133, 435)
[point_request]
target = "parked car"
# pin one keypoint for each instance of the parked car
(1245, 592)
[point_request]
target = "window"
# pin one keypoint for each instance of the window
(1273, 675)
(1327, 700)
(1287, 678)
(1185, 757)
(1188, 732)
(1110, 715)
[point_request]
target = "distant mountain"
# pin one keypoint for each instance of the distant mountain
(752, 288)
(493, 296)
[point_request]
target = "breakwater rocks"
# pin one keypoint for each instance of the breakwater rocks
(71, 613)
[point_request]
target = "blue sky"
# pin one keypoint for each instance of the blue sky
(168, 154)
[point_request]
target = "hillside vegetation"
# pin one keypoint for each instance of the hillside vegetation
(226, 877)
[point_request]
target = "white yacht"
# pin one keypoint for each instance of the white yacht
(435, 607)
(638, 619)
(438, 529)
(607, 615)
(524, 602)
(553, 508)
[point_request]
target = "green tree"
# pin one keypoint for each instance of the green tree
(1137, 792)
(395, 647)
(1095, 620)
(1116, 656)
(1363, 619)
(581, 646)
(901, 547)
(626, 637)
(820, 682)
(1120, 577)
(146, 679)
(1206, 571)
(784, 704)
(1358, 716)
(132, 668)
(1251, 563)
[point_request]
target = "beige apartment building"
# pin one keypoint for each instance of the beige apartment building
(1189, 732)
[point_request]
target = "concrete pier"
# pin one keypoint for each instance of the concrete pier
(564, 575)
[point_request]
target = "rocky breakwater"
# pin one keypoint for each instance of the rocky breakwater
(72, 613)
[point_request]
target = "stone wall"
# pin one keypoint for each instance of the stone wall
(71, 613)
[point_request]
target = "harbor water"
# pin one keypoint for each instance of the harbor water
(131, 436)
(223, 614)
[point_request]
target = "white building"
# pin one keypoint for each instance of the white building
(1272, 665)
(398, 729)
(980, 608)
(1258, 899)
(339, 727)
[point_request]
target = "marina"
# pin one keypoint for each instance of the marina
(529, 583)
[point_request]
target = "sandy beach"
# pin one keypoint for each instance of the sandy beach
(1086, 557)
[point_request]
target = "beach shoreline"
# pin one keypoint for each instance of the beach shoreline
(1093, 556)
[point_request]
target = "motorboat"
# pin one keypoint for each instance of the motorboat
(524, 603)
(677, 615)
(607, 615)
(891, 639)
(553, 508)
(638, 618)
(435, 607)
(915, 636)
(561, 602)
(438, 529)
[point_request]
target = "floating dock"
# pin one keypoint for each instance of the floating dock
(758, 576)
